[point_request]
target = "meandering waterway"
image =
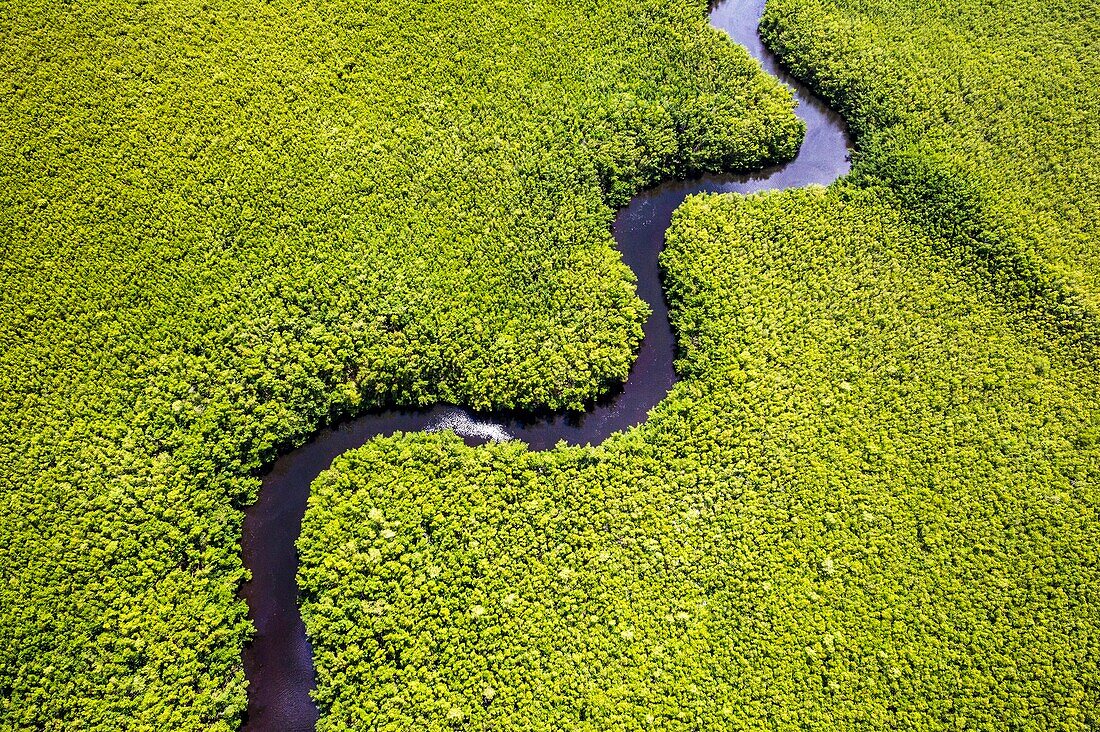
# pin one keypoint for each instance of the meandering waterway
(278, 662)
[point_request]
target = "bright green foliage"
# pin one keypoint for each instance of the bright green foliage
(224, 223)
(985, 116)
(873, 504)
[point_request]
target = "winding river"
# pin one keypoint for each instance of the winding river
(278, 663)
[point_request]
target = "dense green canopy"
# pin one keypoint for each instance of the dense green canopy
(983, 117)
(874, 502)
(224, 223)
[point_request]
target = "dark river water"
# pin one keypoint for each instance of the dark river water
(277, 662)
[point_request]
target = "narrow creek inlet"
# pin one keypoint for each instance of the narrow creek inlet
(278, 662)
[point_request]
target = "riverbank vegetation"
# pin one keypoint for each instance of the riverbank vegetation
(226, 224)
(872, 502)
(983, 118)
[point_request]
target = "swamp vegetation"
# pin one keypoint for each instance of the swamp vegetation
(871, 503)
(227, 224)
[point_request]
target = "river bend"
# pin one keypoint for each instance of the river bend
(278, 662)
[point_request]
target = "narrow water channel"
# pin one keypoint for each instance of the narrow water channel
(278, 662)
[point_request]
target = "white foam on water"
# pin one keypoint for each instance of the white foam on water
(463, 425)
